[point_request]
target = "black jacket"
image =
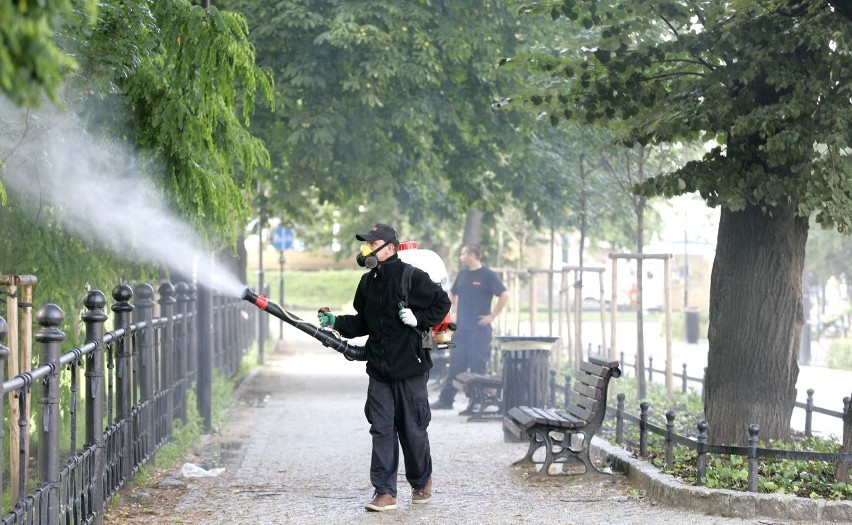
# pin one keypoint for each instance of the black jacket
(393, 348)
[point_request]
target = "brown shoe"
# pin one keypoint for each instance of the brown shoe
(423, 495)
(381, 502)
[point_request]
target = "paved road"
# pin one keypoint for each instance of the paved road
(296, 449)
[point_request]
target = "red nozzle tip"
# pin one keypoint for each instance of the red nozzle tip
(262, 302)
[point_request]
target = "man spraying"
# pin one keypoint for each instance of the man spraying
(397, 406)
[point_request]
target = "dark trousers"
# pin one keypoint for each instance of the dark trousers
(399, 416)
(470, 354)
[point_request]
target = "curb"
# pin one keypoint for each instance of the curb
(670, 491)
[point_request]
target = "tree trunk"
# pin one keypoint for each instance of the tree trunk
(756, 322)
(473, 227)
(641, 388)
(235, 263)
(578, 284)
(842, 473)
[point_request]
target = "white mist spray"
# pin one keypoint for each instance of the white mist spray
(99, 193)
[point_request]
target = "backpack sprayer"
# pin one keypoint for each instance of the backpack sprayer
(427, 260)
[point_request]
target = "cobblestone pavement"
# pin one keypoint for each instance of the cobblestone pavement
(296, 449)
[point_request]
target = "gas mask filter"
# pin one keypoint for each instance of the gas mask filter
(367, 258)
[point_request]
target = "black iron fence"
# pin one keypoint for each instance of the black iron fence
(699, 443)
(135, 379)
(702, 448)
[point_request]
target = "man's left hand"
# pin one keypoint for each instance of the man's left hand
(407, 317)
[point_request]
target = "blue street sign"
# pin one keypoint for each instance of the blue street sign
(282, 238)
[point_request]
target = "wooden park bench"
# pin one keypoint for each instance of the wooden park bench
(556, 430)
(484, 393)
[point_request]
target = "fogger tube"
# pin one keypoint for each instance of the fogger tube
(351, 352)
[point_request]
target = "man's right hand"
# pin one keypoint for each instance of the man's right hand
(326, 318)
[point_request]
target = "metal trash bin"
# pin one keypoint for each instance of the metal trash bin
(692, 322)
(526, 363)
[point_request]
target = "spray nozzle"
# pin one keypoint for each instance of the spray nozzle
(260, 301)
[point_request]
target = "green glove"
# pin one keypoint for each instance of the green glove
(326, 318)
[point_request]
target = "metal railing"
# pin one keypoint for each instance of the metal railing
(702, 448)
(135, 380)
(699, 444)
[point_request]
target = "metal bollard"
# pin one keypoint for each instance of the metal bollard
(753, 430)
(144, 314)
(49, 337)
(809, 412)
(192, 347)
(643, 430)
(94, 318)
(181, 335)
(204, 376)
(124, 373)
(167, 353)
(701, 449)
(670, 417)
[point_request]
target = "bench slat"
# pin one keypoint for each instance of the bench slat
(465, 379)
(556, 418)
(593, 369)
(510, 424)
(603, 361)
(589, 380)
(487, 381)
(587, 391)
(589, 404)
(571, 422)
(546, 417)
(579, 412)
(520, 415)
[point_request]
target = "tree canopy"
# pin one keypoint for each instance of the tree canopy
(191, 92)
(32, 61)
(172, 81)
(386, 105)
(768, 80)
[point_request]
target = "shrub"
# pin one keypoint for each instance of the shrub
(840, 354)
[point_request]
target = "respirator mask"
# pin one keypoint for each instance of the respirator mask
(367, 258)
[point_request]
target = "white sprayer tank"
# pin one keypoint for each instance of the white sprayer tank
(427, 260)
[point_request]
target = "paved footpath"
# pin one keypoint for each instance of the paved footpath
(296, 449)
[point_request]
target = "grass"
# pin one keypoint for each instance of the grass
(309, 290)
(186, 434)
(840, 354)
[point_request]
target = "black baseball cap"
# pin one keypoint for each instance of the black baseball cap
(378, 232)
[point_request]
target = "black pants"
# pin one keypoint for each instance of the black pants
(470, 354)
(399, 415)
